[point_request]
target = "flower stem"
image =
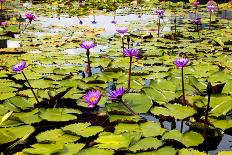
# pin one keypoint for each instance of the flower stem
(182, 77)
(25, 27)
(209, 91)
(122, 44)
(88, 63)
(158, 27)
(198, 31)
(129, 73)
(30, 87)
(210, 14)
(129, 108)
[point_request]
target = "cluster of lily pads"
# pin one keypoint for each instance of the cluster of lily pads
(138, 103)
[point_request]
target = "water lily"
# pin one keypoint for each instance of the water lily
(4, 24)
(181, 63)
(197, 21)
(117, 94)
(30, 17)
(19, 69)
(114, 22)
(92, 98)
(94, 20)
(160, 13)
(122, 30)
(88, 45)
(129, 52)
(211, 8)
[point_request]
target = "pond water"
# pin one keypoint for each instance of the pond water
(58, 74)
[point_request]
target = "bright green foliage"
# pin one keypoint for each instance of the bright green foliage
(221, 109)
(188, 139)
(138, 102)
(58, 114)
(150, 129)
(222, 124)
(56, 135)
(113, 142)
(15, 103)
(225, 153)
(175, 110)
(160, 96)
(28, 117)
(47, 149)
(96, 151)
(190, 151)
(83, 129)
(167, 150)
(124, 118)
(13, 133)
(123, 127)
(145, 144)
(70, 149)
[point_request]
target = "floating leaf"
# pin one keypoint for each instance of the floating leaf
(83, 129)
(190, 151)
(57, 114)
(123, 127)
(113, 142)
(95, 151)
(47, 149)
(145, 144)
(151, 129)
(71, 149)
(175, 110)
(140, 103)
(188, 139)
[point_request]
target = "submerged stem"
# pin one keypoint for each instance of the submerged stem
(182, 77)
(30, 87)
(129, 73)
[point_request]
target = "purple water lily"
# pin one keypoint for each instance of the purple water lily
(92, 98)
(211, 8)
(2, 1)
(181, 62)
(122, 30)
(117, 94)
(19, 67)
(4, 24)
(129, 52)
(197, 21)
(114, 22)
(87, 45)
(160, 13)
(30, 17)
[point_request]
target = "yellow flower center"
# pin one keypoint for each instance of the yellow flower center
(92, 99)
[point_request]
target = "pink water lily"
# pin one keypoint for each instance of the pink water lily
(30, 17)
